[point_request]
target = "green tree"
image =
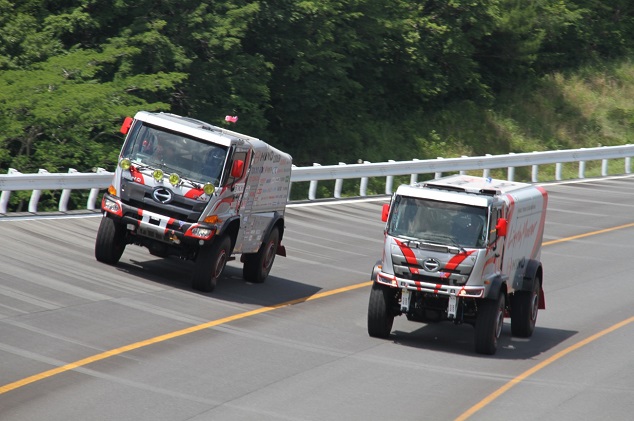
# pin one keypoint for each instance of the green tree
(62, 114)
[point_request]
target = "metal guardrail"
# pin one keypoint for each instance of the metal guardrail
(100, 179)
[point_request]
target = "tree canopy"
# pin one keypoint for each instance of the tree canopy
(325, 80)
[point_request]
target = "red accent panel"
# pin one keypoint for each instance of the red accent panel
(407, 252)
(457, 259)
(194, 193)
(136, 175)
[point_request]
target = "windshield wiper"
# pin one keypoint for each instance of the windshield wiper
(447, 240)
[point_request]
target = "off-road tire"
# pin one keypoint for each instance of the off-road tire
(488, 325)
(524, 309)
(110, 242)
(210, 263)
(380, 313)
(258, 265)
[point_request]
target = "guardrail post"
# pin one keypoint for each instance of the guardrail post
(63, 199)
(558, 171)
(535, 172)
(414, 177)
(363, 188)
(438, 174)
(604, 167)
(510, 171)
(35, 196)
(628, 166)
(338, 185)
(582, 169)
(486, 173)
(389, 181)
(6, 194)
(463, 172)
(312, 189)
(92, 197)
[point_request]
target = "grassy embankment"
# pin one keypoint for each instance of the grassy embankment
(587, 108)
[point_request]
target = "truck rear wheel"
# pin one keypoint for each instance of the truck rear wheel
(524, 308)
(488, 325)
(210, 263)
(380, 314)
(258, 265)
(110, 241)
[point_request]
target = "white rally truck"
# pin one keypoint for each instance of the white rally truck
(186, 188)
(461, 249)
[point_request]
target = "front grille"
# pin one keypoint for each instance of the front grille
(180, 208)
(415, 272)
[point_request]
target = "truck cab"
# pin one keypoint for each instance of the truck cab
(461, 249)
(187, 188)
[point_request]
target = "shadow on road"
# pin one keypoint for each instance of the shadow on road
(446, 337)
(176, 273)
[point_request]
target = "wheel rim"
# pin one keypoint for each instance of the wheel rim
(534, 306)
(269, 256)
(500, 319)
(220, 263)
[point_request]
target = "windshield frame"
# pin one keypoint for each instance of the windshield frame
(153, 147)
(438, 222)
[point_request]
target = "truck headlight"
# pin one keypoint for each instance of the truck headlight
(112, 206)
(204, 233)
(158, 175)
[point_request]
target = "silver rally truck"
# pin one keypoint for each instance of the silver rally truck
(461, 249)
(186, 188)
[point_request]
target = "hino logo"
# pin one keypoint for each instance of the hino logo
(431, 265)
(162, 195)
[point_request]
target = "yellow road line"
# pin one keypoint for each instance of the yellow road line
(484, 402)
(117, 351)
(113, 352)
(587, 234)
(496, 394)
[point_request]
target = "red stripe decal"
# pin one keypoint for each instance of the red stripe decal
(136, 175)
(410, 257)
(457, 259)
(194, 193)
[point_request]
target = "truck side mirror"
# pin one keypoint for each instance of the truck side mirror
(385, 212)
(500, 227)
(237, 168)
(125, 127)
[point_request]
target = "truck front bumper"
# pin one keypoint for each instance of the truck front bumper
(466, 291)
(156, 226)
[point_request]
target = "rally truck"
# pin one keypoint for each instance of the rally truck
(186, 188)
(461, 249)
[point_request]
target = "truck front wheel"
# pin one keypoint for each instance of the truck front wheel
(524, 308)
(110, 241)
(488, 325)
(210, 263)
(258, 265)
(380, 314)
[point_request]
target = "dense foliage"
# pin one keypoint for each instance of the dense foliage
(325, 80)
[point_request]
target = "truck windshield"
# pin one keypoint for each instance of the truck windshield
(190, 158)
(438, 222)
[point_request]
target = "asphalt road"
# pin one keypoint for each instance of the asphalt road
(80, 340)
